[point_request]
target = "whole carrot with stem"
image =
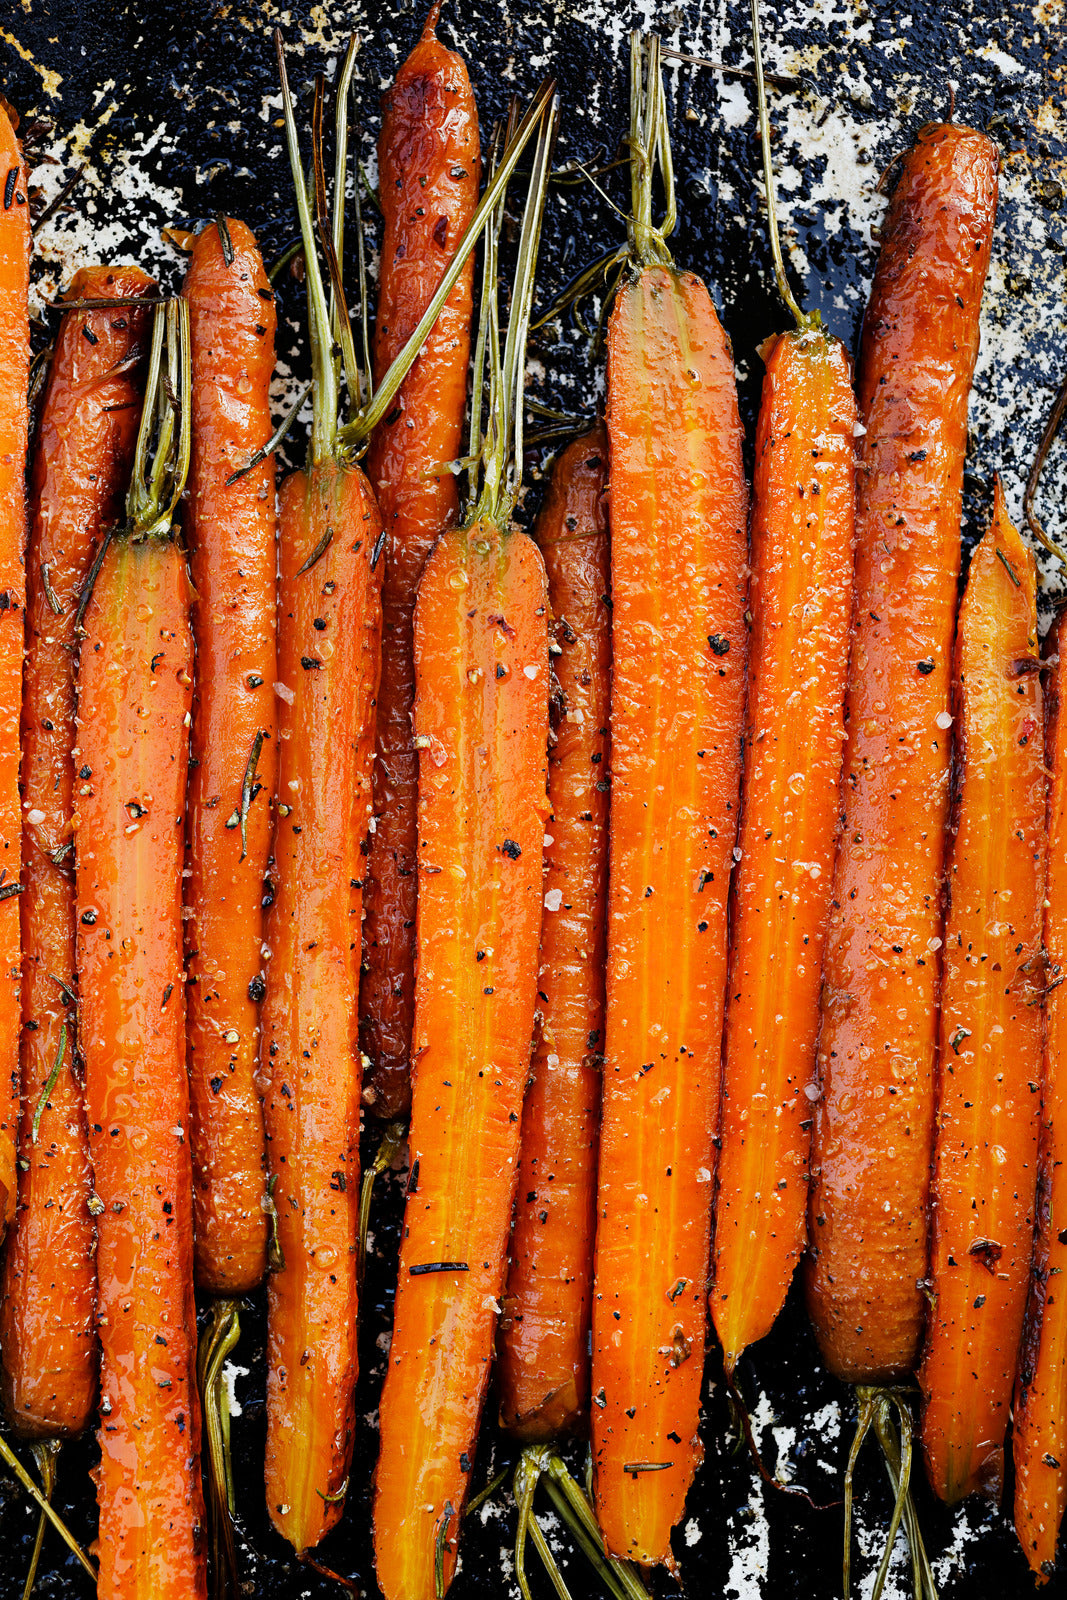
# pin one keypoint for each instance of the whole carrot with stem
(989, 1081)
(428, 162)
(803, 530)
(543, 1352)
(134, 698)
(874, 1119)
(15, 246)
(481, 725)
(230, 524)
(1040, 1416)
(231, 528)
(678, 576)
(331, 546)
(543, 1356)
(81, 469)
(1039, 1432)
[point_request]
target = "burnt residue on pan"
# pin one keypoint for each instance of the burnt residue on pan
(175, 112)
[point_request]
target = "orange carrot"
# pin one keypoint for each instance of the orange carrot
(81, 467)
(428, 163)
(802, 534)
(481, 725)
(230, 526)
(134, 697)
(1040, 1423)
(874, 1123)
(543, 1353)
(328, 659)
(15, 245)
(803, 531)
(988, 1104)
(328, 665)
(678, 573)
(328, 642)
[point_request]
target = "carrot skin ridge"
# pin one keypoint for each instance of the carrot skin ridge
(81, 466)
(1039, 1435)
(231, 531)
(878, 1038)
(989, 1080)
(481, 719)
(678, 515)
(429, 163)
(15, 247)
(542, 1369)
(803, 534)
(134, 697)
(310, 1063)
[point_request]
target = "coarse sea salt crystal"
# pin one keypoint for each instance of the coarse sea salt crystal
(553, 899)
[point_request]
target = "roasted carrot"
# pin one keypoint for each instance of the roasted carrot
(230, 527)
(328, 637)
(803, 531)
(481, 726)
(989, 1079)
(15, 247)
(678, 578)
(428, 164)
(543, 1350)
(134, 697)
(81, 467)
(874, 1118)
(327, 661)
(1040, 1420)
(332, 541)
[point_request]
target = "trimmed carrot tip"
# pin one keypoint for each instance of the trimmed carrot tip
(433, 17)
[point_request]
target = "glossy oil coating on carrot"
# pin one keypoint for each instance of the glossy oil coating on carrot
(803, 527)
(1040, 1420)
(678, 520)
(15, 248)
(134, 696)
(874, 1123)
(989, 1077)
(328, 639)
(543, 1353)
(429, 167)
(231, 532)
(481, 719)
(81, 467)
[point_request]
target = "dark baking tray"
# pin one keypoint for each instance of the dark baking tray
(174, 109)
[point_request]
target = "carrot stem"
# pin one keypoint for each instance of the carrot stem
(389, 1146)
(1052, 428)
(801, 318)
(219, 1342)
(351, 439)
(11, 1460)
(649, 147)
(573, 1505)
(46, 1455)
(876, 1408)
